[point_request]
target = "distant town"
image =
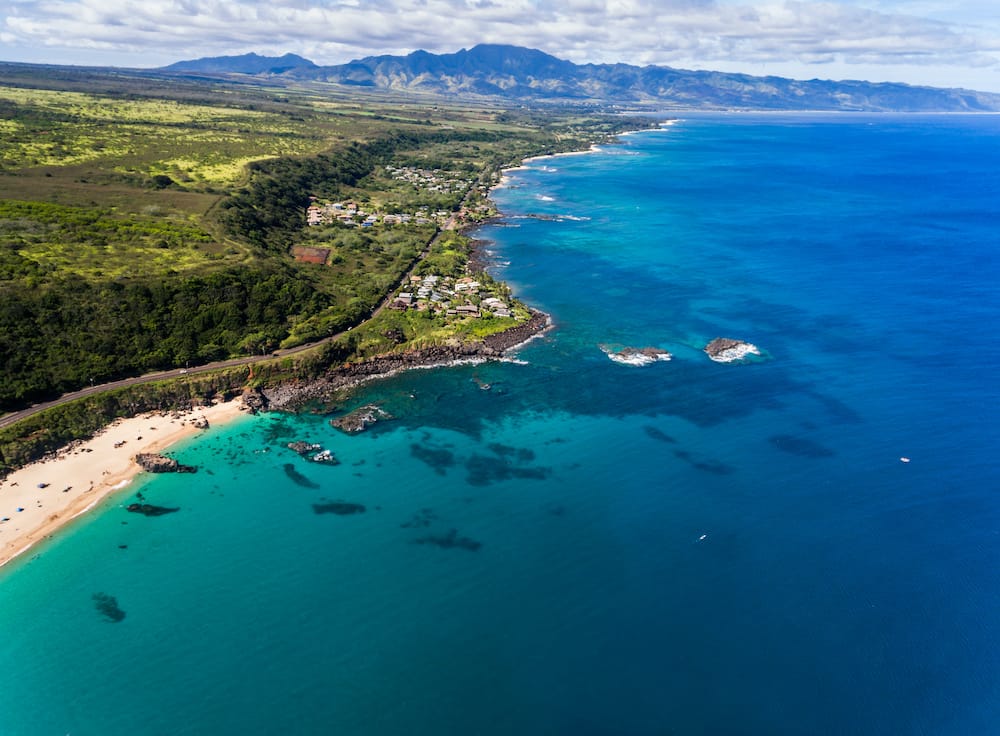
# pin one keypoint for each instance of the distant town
(435, 181)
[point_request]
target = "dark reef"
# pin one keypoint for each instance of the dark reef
(800, 446)
(148, 509)
(297, 478)
(451, 540)
(440, 459)
(107, 605)
(340, 508)
(153, 462)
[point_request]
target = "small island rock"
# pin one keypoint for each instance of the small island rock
(360, 419)
(313, 452)
(728, 350)
(636, 356)
(153, 462)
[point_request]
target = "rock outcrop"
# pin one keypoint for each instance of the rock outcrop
(727, 350)
(313, 452)
(636, 356)
(153, 462)
(360, 419)
(255, 401)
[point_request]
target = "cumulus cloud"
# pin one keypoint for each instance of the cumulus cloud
(672, 32)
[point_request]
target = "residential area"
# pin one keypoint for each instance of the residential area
(436, 182)
(454, 297)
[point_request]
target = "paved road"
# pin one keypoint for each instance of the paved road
(13, 417)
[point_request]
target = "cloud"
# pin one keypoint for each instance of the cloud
(672, 32)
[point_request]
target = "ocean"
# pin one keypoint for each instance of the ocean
(564, 544)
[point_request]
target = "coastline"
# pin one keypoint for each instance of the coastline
(293, 396)
(80, 476)
(40, 499)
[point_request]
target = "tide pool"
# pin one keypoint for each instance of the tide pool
(588, 547)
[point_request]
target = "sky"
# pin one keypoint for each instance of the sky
(941, 43)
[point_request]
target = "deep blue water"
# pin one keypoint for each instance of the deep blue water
(682, 548)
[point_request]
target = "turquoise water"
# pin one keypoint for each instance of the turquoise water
(587, 547)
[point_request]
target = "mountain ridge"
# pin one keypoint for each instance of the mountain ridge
(529, 75)
(244, 64)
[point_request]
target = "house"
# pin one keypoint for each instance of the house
(314, 215)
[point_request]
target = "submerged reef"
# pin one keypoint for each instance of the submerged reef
(148, 509)
(422, 519)
(340, 508)
(297, 478)
(107, 605)
(451, 540)
(438, 458)
(801, 446)
(658, 434)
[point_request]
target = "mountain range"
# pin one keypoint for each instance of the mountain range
(528, 75)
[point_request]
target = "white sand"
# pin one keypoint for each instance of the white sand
(79, 477)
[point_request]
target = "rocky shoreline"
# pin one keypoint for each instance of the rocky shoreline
(293, 396)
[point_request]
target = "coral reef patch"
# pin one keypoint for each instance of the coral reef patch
(340, 508)
(438, 458)
(451, 540)
(297, 478)
(800, 446)
(107, 606)
(148, 509)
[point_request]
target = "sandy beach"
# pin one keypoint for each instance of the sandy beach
(40, 498)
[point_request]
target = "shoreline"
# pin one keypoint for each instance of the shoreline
(292, 397)
(78, 477)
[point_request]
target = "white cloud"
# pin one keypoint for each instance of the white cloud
(906, 34)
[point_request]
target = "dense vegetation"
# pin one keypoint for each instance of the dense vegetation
(134, 326)
(148, 222)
